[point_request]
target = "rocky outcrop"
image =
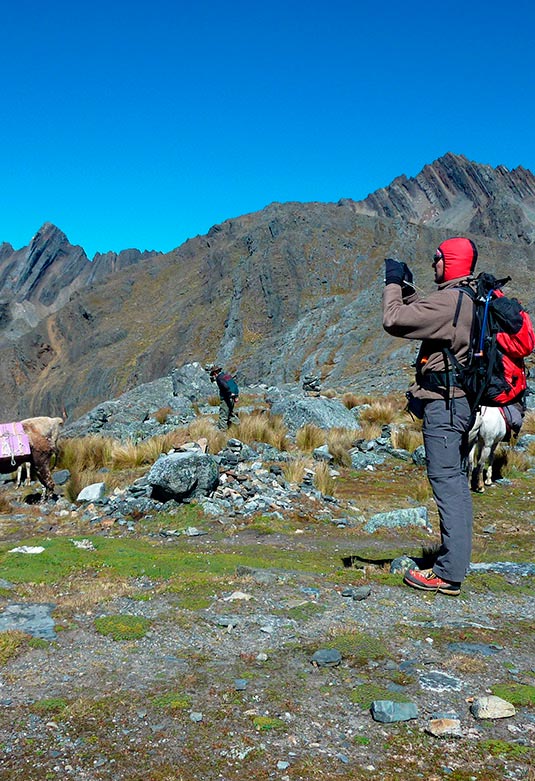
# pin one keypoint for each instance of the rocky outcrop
(457, 193)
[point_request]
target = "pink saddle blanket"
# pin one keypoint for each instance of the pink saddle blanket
(13, 441)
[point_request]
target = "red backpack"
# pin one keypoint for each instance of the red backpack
(502, 336)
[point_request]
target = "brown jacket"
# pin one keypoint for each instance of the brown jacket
(431, 320)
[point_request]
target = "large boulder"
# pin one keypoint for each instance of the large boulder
(181, 476)
(192, 381)
(297, 411)
(131, 415)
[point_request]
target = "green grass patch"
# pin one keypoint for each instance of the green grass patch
(364, 694)
(186, 515)
(12, 642)
(133, 558)
(271, 524)
(358, 647)
(518, 694)
(38, 642)
(122, 627)
(494, 583)
(267, 723)
(502, 748)
(55, 705)
(172, 701)
(304, 612)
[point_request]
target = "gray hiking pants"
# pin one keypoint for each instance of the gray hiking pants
(445, 434)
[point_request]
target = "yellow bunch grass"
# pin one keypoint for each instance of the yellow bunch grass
(528, 426)
(380, 413)
(323, 480)
(309, 437)
(261, 427)
(84, 453)
(350, 400)
(294, 470)
(339, 441)
(406, 438)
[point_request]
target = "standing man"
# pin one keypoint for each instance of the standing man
(228, 396)
(442, 321)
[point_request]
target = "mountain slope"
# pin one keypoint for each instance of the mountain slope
(292, 289)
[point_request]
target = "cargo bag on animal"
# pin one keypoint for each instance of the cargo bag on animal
(13, 441)
(502, 336)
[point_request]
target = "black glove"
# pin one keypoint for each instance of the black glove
(396, 272)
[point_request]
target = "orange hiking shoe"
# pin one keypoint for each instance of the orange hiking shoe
(426, 580)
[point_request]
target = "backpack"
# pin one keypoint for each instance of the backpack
(501, 337)
(231, 384)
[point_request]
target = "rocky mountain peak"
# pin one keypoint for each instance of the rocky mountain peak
(454, 192)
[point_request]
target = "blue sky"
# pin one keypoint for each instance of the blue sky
(143, 124)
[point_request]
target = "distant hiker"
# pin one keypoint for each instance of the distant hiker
(441, 320)
(228, 395)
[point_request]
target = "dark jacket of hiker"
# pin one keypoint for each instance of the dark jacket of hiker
(224, 390)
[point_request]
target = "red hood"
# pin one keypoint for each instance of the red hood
(460, 256)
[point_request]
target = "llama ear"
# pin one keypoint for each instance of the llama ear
(64, 414)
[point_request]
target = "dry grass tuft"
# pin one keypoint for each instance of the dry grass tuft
(261, 427)
(528, 426)
(468, 665)
(11, 643)
(339, 441)
(309, 437)
(407, 438)
(329, 393)
(294, 471)
(509, 461)
(422, 491)
(78, 594)
(380, 413)
(323, 480)
(351, 400)
(81, 453)
(368, 431)
(162, 414)
(5, 505)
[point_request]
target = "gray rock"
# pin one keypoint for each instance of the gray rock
(92, 493)
(492, 707)
(192, 382)
(418, 456)
(414, 516)
(474, 649)
(322, 454)
(402, 564)
(388, 712)
(34, 619)
(361, 460)
(183, 475)
(524, 441)
(504, 568)
(61, 477)
(444, 728)
(297, 411)
(437, 681)
(326, 657)
(360, 593)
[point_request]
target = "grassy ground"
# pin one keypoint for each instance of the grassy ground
(139, 651)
